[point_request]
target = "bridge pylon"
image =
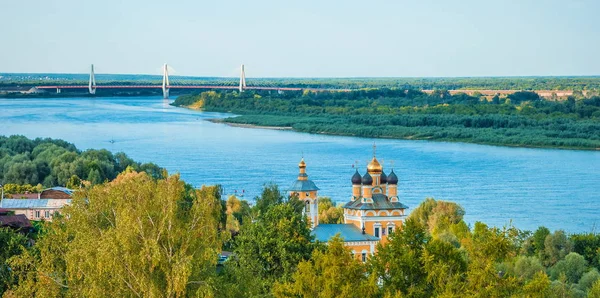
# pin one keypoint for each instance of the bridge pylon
(242, 79)
(92, 84)
(165, 83)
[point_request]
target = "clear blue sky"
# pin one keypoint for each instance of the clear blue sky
(303, 38)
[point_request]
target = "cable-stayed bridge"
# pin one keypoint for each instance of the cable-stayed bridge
(167, 85)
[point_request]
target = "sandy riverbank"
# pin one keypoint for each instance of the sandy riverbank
(250, 125)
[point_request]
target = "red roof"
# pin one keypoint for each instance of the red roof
(15, 221)
(23, 196)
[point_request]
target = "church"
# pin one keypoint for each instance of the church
(373, 212)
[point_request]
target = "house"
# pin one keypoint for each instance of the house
(47, 205)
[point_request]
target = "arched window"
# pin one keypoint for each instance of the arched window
(307, 206)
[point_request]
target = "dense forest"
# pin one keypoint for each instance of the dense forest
(519, 119)
(147, 237)
(50, 162)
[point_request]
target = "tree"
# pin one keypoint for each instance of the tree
(587, 245)
(74, 182)
(588, 279)
(399, 264)
(487, 247)
(270, 196)
(539, 237)
(438, 216)
(539, 286)
(329, 213)
(446, 266)
(11, 244)
(573, 267)
(556, 247)
(237, 210)
(527, 267)
(134, 236)
(334, 272)
(496, 99)
(94, 177)
(268, 249)
(594, 291)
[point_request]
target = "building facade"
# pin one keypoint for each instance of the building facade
(373, 212)
(45, 207)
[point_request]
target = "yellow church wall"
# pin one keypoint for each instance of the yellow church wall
(358, 249)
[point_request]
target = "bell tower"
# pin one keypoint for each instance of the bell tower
(307, 192)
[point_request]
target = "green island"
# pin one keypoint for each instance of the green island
(521, 119)
(142, 232)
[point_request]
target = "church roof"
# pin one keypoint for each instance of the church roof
(349, 232)
(303, 185)
(380, 201)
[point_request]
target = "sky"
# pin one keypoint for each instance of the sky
(321, 38)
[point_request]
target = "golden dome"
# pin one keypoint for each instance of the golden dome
(302, 164)
(374, 167)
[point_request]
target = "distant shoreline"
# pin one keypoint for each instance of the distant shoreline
(245, 125)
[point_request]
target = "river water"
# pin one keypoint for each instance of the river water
(497, 185)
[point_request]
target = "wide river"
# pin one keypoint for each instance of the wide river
(559, 189)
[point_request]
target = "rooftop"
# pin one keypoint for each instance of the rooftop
(380, 201)
(33, 203)
(303, 185)
(349, 232)
(60, 188)
(15, 221)
(23, 196)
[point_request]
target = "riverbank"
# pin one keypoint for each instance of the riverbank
(520, 120)
(259, 121)
(245, 125)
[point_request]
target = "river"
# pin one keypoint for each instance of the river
(559, 189)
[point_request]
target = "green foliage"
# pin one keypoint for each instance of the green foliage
(556, 246)
(587, 245)
(135, 236)
(270, 197)
(539, 238)
(527, 267)
(538, 286)
(588, 279)
(594, 292)
(573, 267)
(11, 188)
(329, 213)
(334, 272)
(11, 244)
(238, 212)
(399, 263)
(440, 217)
(396, 113)
(269, 248)
(51, 162)
(446, 267)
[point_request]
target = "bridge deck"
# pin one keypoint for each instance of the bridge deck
(184, 87)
